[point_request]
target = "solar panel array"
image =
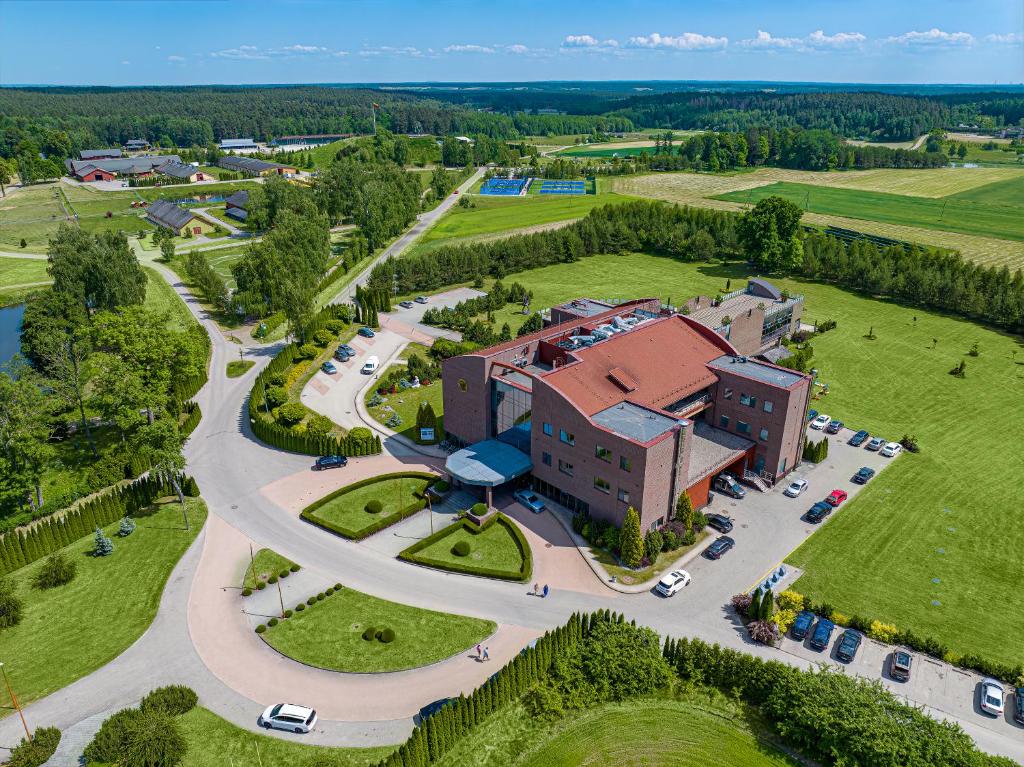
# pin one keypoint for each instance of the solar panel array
(504, 186)
(548, 186)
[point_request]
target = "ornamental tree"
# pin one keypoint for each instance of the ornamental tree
(631, 542)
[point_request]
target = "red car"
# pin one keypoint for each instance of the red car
(836, 497)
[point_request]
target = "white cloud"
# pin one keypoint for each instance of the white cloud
(242, 52)
(933, 37)
(517, 48)
(389, 50)
(1008, 39)
(470, 48)
(766, 40)
(340, 54)
(304, 49)
(687, 41)
(255, 53)
(176, 58)
(838, 40)
(588, 41)
(126, 63)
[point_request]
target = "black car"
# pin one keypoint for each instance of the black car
(822, 634)
(719, 547)
(848, 645)
(834, 427)
(899, 665)
(720, 522)
(862, 476)
(341, 355)
(348, 349)
(859, 438)
(802, 625)
(818, 512)
(432, 708)
(330, 462)
(1018, 699)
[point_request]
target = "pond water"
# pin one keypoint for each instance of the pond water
(10, 331)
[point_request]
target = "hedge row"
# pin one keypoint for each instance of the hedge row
(186, 388)
(36, 752)
(23, 547)
(411, 554)
(192, 421)
(309, 513)
(300, 607)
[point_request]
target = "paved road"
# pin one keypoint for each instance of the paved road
(237, 474)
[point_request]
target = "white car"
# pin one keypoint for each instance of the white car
(288, 716)
(992, 694)
(892, 449)
(796, 487)
(530, 500)
(674, 581)
(371, 365)
(821, 421)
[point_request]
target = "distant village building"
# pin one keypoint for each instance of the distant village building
(237, 205)
(182, 173)
(101, 154)
(177, 219)
(234, 144)
(136, 145)
(250, 166)
(141, 166)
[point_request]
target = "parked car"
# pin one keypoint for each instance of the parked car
(796, 487)
(836, 497)
(421, 299)
(432, 708)
(719, 548)
(1018, 700)
(900, 662)
(405, 304)
(341, 355)
(858, 439)
(849, 643)
(329, 368)
(818, 512)
(821, 421)
(863, 475)
(812, 414)
(288, 716)
(801, 625)
(673, 582)
(822, 634)
(330, 462)
(834, 427)
(365, 332)
(892, 449)
(530, 500)
(347, 349)
(720, 522)
(991, 697)
(726, 483)
(875, 444)
(371, 365)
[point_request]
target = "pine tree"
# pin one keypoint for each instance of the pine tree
(754, 610)
(767, 606)
(104, 545)
(631, 542)
(684, 510)
(127, 527)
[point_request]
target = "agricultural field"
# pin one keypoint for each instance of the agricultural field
(21, 272)
(621, 148)
(32, 214)
(704, 190)
(878, 557)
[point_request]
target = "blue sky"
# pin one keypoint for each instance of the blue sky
(137, 42)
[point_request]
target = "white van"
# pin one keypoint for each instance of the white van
(371, 365)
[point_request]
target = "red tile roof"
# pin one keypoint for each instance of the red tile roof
(663, 360)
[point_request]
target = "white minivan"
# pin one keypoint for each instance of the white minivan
(371, 365)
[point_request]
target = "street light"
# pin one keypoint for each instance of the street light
(14, 700)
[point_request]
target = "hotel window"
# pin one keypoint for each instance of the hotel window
(728, 394)
(565, 467)
(566, 437)
(545, 458)
(623, 495)
(746, 399)
(763, 435)
(603, 453)
(602, 485)
(547, 430)
(625, 464)
(723, 421)
(769, 406)
(742, 428)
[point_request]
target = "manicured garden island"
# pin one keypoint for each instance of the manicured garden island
(345, 630)
(495, 548)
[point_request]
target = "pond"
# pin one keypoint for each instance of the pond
(10, 331)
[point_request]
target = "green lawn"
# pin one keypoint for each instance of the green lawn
(329, 634)
(660, 565)
(72, 630)
(406, 404)
(22, 271)
(33, 213)
(494, 550)
(215, 742)
(1007, 193)
(347, 510)
(951, 214)
(160, 296)
(265, 563)
(238, 368)
(699, 728)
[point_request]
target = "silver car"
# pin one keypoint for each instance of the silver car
(796, 487)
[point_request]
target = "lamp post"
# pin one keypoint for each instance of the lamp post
(14, 701)
(430, 513)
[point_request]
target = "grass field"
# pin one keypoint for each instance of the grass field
(494, 549)
(348, 510)
(69, 631)
(329, 634)
(698, 728)
(406, 404)
(33, 213)
(161, 297)
(879, 559)
(215, 742)
(946, 214)
(22, 271)
(265, 563)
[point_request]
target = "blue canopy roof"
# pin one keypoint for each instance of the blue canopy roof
(488, 464)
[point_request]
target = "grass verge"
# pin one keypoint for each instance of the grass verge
(345, 510)
(238, 368)
(265, 562)
(496, 549)
(406, 404)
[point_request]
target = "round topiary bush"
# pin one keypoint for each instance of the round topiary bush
(329, 590)
(260, 629)
(294, 567)
(374, 507)
(246, 592)
(320, 597)
(369, 633)
(300, 607)
(337, 587)
(272, 579)
(283, 574)
(461, 549)
(260, 585)
(287, 613)
(479, 509)
(441, 486)
(387, 636)
(311, 601)
(272, 622)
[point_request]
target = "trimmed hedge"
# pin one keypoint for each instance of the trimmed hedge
(309, 513)
(191, 409)
(175, 700)
(411, 554)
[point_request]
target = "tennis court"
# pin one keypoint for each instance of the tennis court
(510, 187)
(562, 187)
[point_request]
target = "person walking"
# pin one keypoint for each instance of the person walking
(487, 654)
(478, 655)
(536, 589)
(545, 591)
